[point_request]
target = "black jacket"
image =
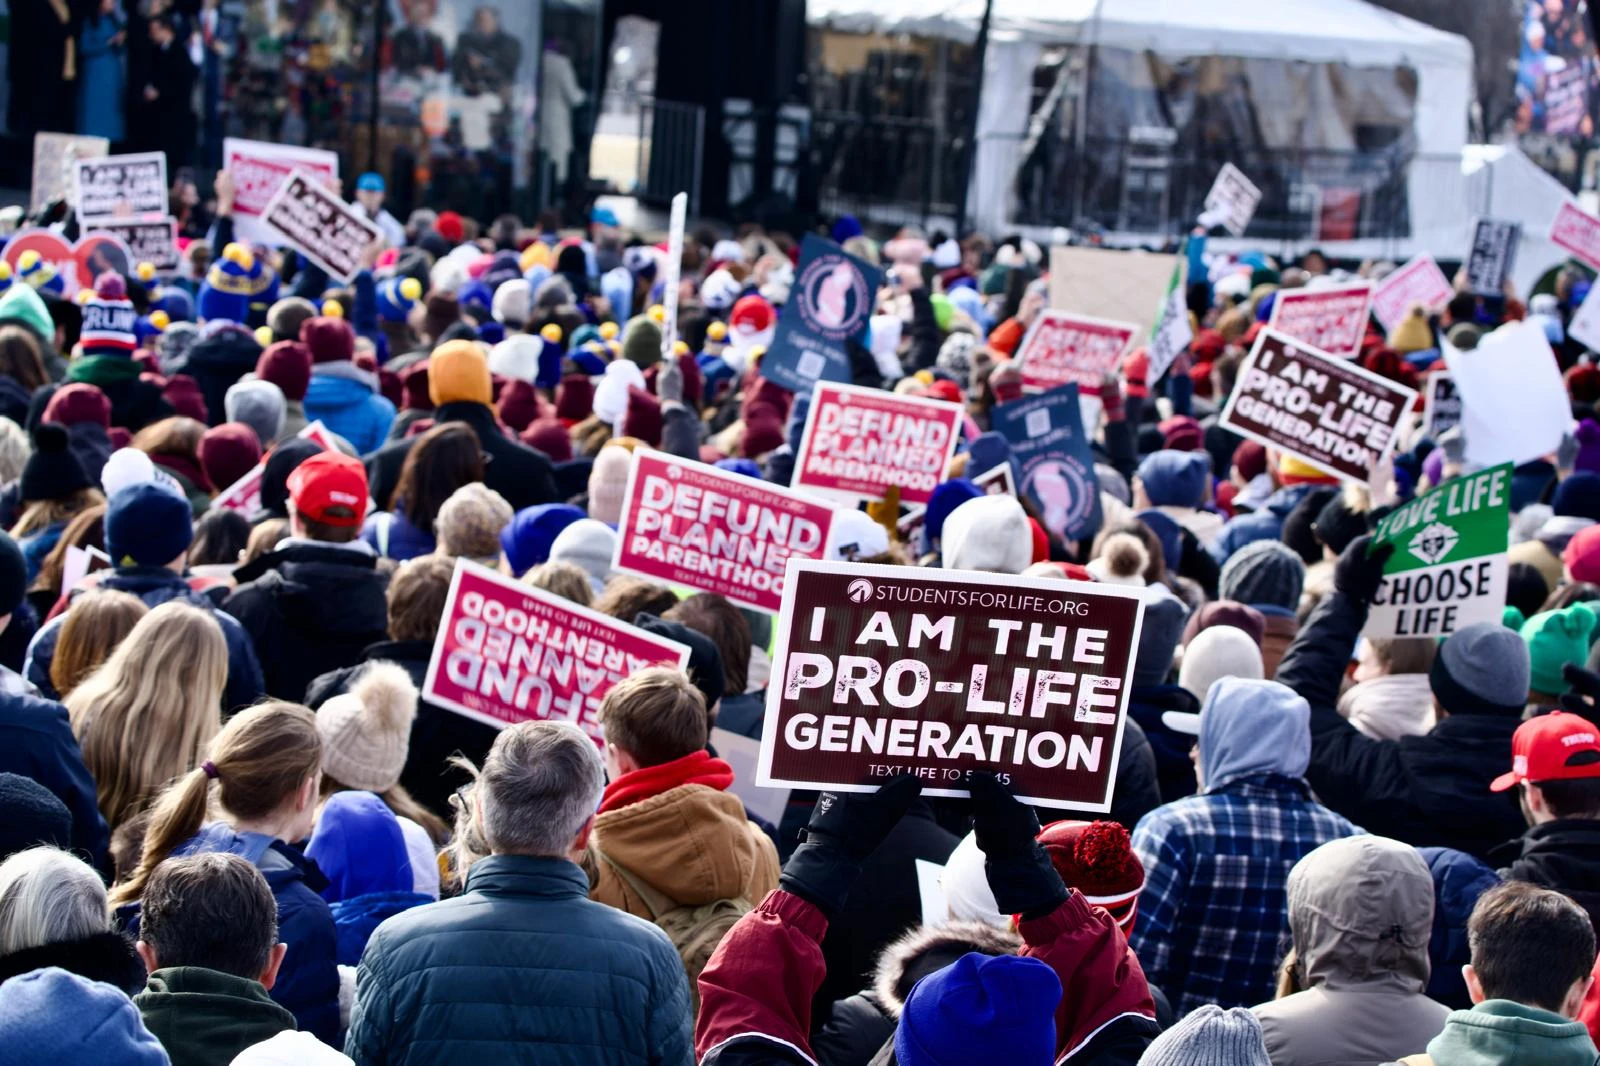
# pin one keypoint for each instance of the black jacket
(1137, 791)
(436, 733)
(310, 608)
(1563, 855)
(106, 957)
(36, 741)
(217, 362)
(519, 473)
(1174, 769)
(1429, 791)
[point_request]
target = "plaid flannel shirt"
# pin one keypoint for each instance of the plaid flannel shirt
(1214, 909)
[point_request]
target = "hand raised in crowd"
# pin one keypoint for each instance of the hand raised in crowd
(1359, 573)
(845, 828)
(370, 254)
(1019, 872)
(669, 382)
(886, 512)
(1111, 396)
(1583, 697)
(225, 192)
(1032, 304)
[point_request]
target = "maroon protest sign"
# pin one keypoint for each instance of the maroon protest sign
(1418, 283)
(508, 653)
(685, 523)
(1577, 231)
(1333, 319)
(1063, 347)
(322, 227)
(885, 670)
(1329, 412)
(860, 442)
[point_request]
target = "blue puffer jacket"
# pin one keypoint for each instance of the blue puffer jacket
(1458, 881)
(523, 967)
(36, 741)
(346, 400)
(392, 535)
(1265, 524)
(308, 981)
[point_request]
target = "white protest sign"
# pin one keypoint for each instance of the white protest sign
(1585, 324)
(1171, 336)
(670, 286)
(1232, 200)
(331, 233)
(120, 187)
(55, 158)
(744, 755)
(930, 890)
(1514, 405)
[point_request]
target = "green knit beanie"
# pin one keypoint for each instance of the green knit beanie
(641, 342)
(1556, 638)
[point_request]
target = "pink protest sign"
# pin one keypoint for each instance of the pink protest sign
(1062, 347)
(1578, 232)
(244, 495)
(859, 442)
(1420, 283)
(508, 653)
(1332, 319)
(685, 523)
(258, 168)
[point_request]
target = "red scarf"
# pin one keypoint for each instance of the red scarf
(700, 768)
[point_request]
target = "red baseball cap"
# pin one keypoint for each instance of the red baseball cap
(1548, 748)
(327, 480)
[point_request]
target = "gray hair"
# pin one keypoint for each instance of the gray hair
(47, 896)
(541, 782)
(14, 450)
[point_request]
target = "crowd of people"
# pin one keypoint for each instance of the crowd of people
(235, 831)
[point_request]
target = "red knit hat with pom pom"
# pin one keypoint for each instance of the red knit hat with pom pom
(1097, 859)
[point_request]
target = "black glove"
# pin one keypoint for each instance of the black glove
(1020, 874)
(845, 828)
(1358, 574)
(1584, 695)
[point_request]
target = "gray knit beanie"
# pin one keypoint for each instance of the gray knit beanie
(259, 405)
(1482, 669)
(1264, 572)
(1210, 1036)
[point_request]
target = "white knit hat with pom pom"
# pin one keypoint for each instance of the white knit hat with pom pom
(367, 731)
(1122, 561)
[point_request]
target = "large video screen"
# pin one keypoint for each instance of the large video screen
(1557, 74)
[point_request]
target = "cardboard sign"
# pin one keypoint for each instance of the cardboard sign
(1514, 404)
(686, 523)
(1442, 404)
(1449, 564)
(886, 670)
(258, 168)
(1333, 320)
(1331, 413)
(1418, 283)
(999, 481)
(322, 227)
(744, 755)
(508, 653)
(1233, 200)
(244, 495)
(1578, 232)
(154, 242)
(1172, 333)
(669, 291)
(1493, 256)
(55, 159)
(121, 187)
(1051, 451)
(1116, 285)
(1062, 347)
(859, 442)
(1585, 324)
(829, 309)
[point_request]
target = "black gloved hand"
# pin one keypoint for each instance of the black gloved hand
(1584, 695)
(845, 828)
(1020, 874)
(1358, 574)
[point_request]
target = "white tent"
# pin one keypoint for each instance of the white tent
(1503, 183)
(1350, 32)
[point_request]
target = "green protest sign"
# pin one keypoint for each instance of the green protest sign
(1449, 564)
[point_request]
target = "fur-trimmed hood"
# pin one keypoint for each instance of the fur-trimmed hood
(927, 948)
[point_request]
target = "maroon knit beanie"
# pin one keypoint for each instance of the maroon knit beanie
(331, 340)
(287, 364)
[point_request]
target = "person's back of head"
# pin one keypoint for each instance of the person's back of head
(220, 538)
(1361, 911)
(213, 910)
(31, 815)
(99, 621)
(1481, 669)
(416, 595)
(652, 717)
(442, 460)
(725, 624)
(47, 896)
(51, 1015)
(978, 1003)
(359, 847)
(328, 498)
(1531, 946)
(628, 597)
(566, 580)
(538, 790)
(470, 522)
(1207, 1036)
(1251, 727)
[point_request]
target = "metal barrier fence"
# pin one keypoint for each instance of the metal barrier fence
(649, 148)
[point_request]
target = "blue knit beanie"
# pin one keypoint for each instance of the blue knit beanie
(526, 541)
(1175, 479)
(747, 467)
(977, 1007)
(947, 496)
(51, 1015)
(148, 524)
(1578, 496)
(235, 281)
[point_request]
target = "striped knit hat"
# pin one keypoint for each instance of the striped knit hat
(109, 320)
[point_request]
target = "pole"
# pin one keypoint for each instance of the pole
(377, 56)
(980, 51)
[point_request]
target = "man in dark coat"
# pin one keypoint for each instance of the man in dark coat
(1431, 790)
(317, 601)
(459, 384)
(168, 91)
(225, 352)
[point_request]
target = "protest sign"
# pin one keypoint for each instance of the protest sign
(154, 242)
(97, 252)
(669, 289)
(323, 228)
(1566, 102)
(1333, 320)
(258, 168)
(1442, 406)
(55, 254)
(508, 653)
(744, 755)
(55, 159)
(121, 187)
(1449, 564)
(1063, 347)
(1418, 283)
(860, 442)
(930, 890)
(1116, 285)
(999, 481)
(1514, 404)
(1578, 232)
(829, 308)
(1172, 332)
(1232, 200)
(244, 495)
(686, 523)
(886, 670)
(1585, 324)
(1051, 451)
(1492, 256)
(1329, 412)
